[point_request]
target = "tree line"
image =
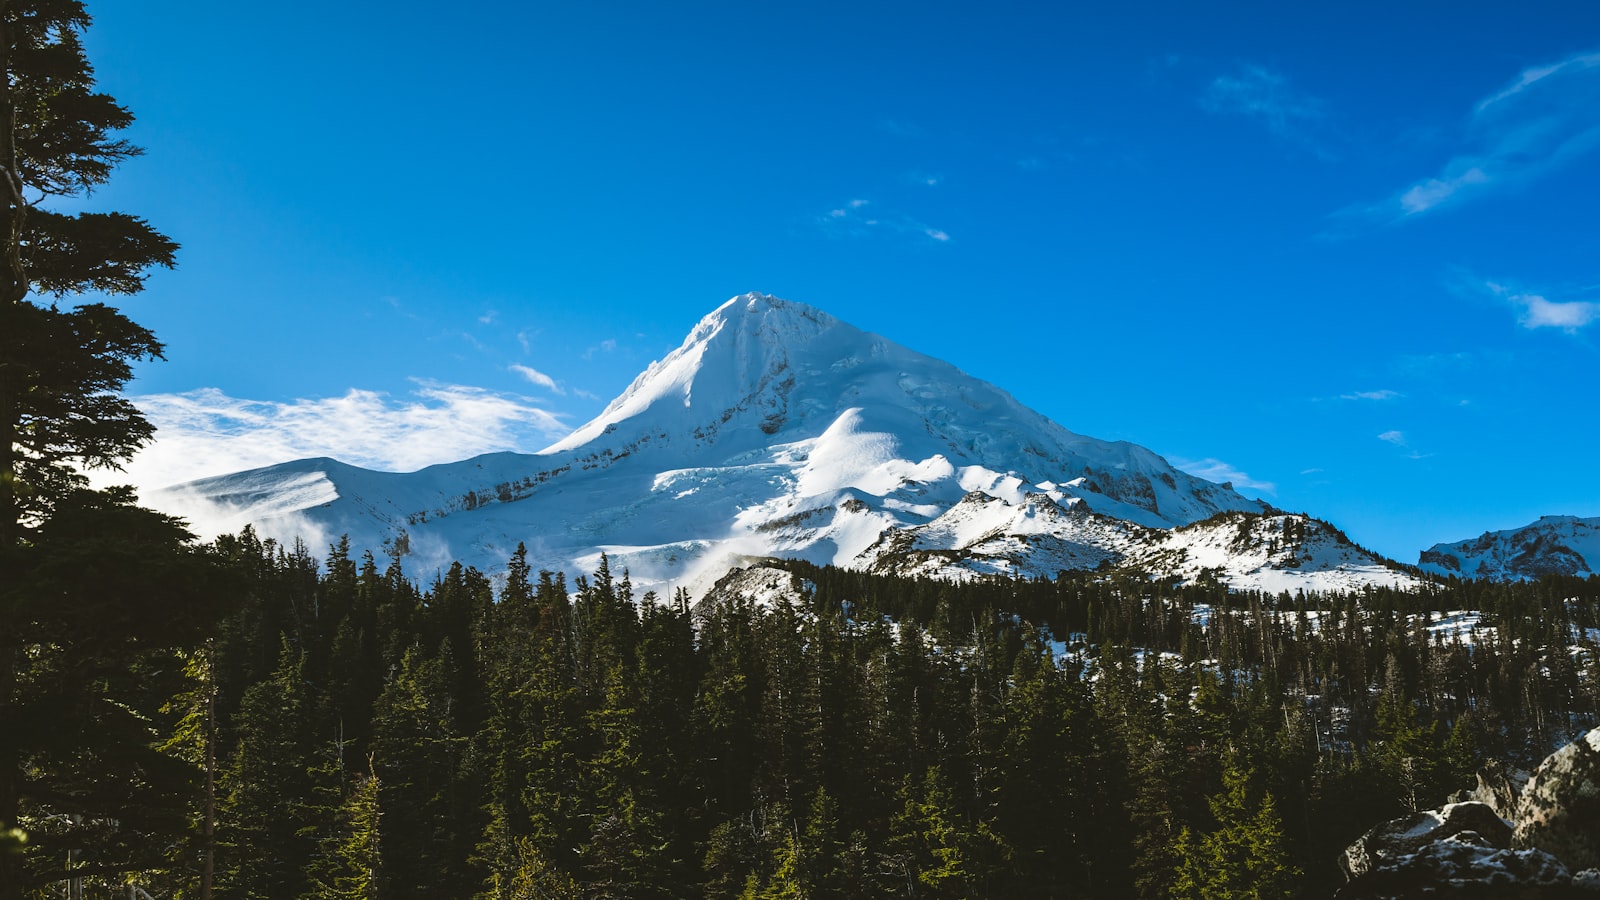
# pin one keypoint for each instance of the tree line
(346, 732)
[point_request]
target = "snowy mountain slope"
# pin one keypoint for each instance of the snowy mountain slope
(987, 535)
(1268, 552)
(1274, 553)
(774, 430)
(1554, 545)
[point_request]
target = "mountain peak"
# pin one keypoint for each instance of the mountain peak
(738, 352)
(763, 313)
(774, 429)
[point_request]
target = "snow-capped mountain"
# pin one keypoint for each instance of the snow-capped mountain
(1554, 545)
(774, 430)
(1271, 551)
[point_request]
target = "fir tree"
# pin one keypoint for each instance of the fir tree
(72, 627)
(419, 758)
(350, 863)
(60, 370)
(935, 849)
(96, 607)
(1244, 856)
(268, 807)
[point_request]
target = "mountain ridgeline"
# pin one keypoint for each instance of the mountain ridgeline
(1554, 545)
(776, 430)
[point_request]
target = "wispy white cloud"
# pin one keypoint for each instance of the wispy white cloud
(1399, 439)
(1548, 116)
(1257, 92)
(849, 209)
(860, 218)
(1431, 192)
(1537, 311)
(1530, 77)
(1384, 394)
(400, 308)
(206, 432)
(1219, 471)
(537, 377)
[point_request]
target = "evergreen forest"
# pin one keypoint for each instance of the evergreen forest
(345, 732)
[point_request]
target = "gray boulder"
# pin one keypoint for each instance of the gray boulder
(1559, 810)
(1409, 835)
(1464, 867)
(1499, 787)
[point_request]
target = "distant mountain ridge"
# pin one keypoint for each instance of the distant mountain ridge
(1554, 545)
(778, 430)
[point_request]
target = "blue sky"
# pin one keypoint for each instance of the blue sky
(1345, 254)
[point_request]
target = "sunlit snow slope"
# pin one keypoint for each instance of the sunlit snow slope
(774, 430)
(1554, 545)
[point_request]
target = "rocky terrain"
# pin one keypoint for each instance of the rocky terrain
(1510, 837)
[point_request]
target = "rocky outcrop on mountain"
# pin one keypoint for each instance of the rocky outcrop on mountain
(1465, 867)
(1549, 848)
(1559, 810)
(1474, 822)
(764, 584)
(1554, 545)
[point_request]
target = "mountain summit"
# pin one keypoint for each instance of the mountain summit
(760, 373)
(774, 430)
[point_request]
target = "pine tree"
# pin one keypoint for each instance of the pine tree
(60, 370)
(96, 607)
(350, 862)
(431, 810)
(546, 789)
(533, 878)
(933, 850)
(268, 813)
(194, 739)
(1053, 797)
(1245, 855)
(1405, 755)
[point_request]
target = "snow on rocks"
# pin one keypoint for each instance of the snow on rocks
(1407, 836)
(1466, 850)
